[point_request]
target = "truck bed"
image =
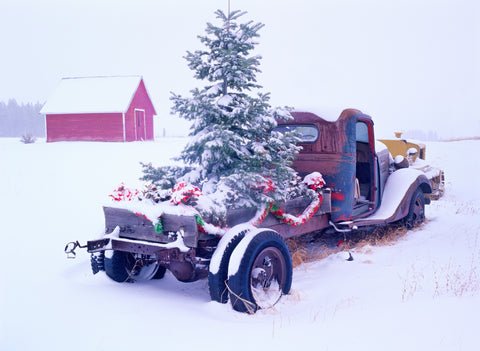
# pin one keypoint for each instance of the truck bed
(135, 226)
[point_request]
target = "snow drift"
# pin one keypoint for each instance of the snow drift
(419, 293)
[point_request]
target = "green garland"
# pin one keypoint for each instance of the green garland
(159, 226)
(199, 220)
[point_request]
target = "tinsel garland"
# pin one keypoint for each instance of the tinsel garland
(209, 228)
(297, 220)
(183, 193)
(261, 214)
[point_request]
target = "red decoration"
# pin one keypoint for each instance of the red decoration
(267, 186)
(124, 194)
(183, 192)
(314, 181)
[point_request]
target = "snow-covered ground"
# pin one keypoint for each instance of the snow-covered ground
(422, 293)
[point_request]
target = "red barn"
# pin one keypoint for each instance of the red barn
(99, 109)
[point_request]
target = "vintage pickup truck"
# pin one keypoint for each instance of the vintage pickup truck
(248, 261)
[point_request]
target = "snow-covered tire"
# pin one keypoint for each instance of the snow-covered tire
(127, 267)
(260, 271)
(218, 269)
(416, 210)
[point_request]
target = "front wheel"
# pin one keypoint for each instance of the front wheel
(260, 272)
(416, 211)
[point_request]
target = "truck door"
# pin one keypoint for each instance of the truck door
(364, 196)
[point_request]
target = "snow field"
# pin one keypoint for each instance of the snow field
(421, 293)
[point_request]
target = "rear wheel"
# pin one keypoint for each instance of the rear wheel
(130, 267)
(260, 272)
(416, 211)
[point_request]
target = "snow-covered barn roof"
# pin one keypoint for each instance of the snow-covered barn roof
(111, 94)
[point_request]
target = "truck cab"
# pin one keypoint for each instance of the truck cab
(355, 167)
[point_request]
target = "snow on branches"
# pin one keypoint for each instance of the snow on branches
(233, 146)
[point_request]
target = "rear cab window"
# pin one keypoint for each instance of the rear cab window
(308, 133)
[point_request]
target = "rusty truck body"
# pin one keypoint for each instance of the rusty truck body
(251, 266)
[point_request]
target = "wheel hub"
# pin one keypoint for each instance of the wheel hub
(268, 277)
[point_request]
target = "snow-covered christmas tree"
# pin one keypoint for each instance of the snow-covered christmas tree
(234, 156)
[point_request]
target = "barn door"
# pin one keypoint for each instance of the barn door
(140, 131)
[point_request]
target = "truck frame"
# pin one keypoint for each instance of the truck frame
(251, 265)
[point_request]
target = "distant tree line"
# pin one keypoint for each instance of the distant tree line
(18, 120)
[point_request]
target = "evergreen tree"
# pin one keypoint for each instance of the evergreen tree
(234, 154)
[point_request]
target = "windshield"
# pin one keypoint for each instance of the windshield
(307, 133)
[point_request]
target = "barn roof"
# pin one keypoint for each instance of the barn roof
(92, 95)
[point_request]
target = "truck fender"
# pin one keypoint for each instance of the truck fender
(398, 193)
(218, 268)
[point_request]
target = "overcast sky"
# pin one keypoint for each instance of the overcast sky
(408, 63)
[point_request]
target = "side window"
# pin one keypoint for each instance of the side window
(362, 132)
